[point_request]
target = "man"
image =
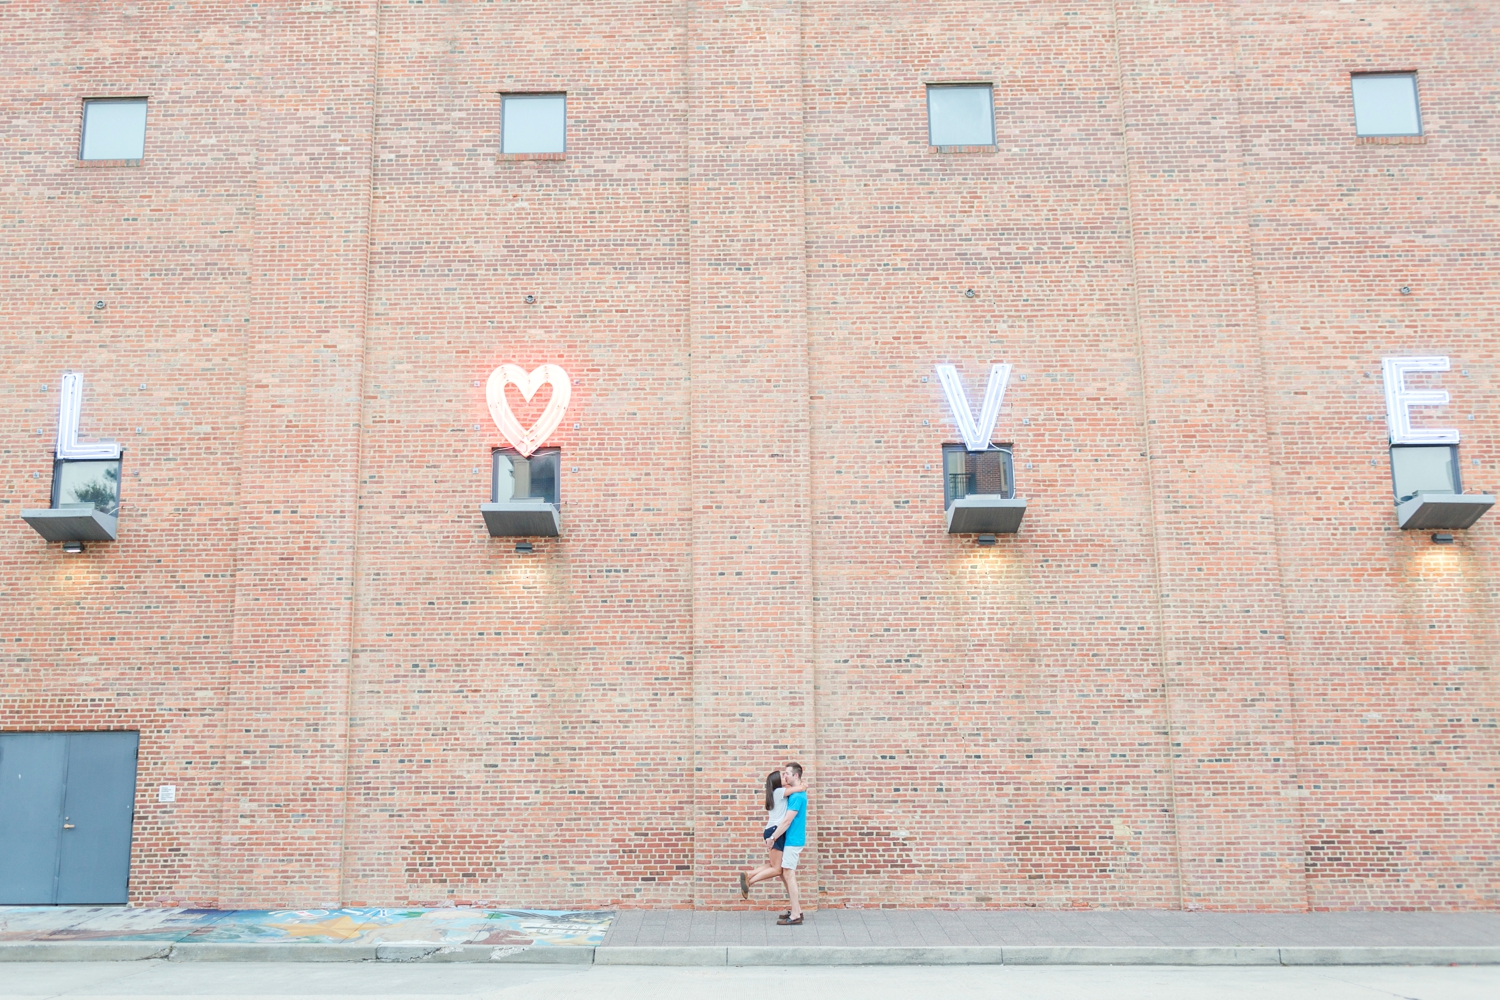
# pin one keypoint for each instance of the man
(794, 825)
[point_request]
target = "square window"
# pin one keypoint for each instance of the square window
(516, 478)
(1419, 469)
(86, 483)
(1386, 104)
(960, 114)
(114, 129)
(533, 123)
(966, 473)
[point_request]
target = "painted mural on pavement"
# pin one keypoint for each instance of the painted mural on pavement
(363, 925)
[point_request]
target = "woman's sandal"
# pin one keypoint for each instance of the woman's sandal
(787, 921)
(744, 886)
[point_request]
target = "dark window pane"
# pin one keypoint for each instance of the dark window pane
(96, 483)
(534, 478)
(966, 473)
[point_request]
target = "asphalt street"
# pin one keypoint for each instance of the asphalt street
(34, 981)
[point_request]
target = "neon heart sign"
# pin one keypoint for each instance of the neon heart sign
(528, 441)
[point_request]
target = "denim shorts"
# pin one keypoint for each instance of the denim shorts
(780, 841)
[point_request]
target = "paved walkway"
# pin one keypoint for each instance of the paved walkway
(743, 938)
(349, 927)
(1114, 928)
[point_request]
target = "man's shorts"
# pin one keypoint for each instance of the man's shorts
(780, 841)
(789, 856)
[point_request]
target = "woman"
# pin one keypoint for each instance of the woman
(775, 813)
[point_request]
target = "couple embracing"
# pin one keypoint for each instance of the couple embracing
(785, 834)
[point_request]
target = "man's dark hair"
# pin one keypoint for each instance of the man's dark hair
(795, 768)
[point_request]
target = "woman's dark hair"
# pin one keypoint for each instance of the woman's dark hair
(773, 782)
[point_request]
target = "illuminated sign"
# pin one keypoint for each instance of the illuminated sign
(976, 433)
(528, 441)
(68, 409)
(1399, 400)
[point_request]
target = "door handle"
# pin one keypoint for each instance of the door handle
(67, 826)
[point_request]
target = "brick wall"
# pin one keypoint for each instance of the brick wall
(1208, 672)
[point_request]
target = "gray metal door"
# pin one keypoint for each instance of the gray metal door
(33, 768)
(67, 803)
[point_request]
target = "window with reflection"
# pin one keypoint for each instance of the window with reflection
(87, 483)
(1419, 469)
(522, 479)
(967, 473)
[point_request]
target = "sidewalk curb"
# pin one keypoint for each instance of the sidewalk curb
(235, 951)
(866, 955)
(82, 951)
(746, 955)
(1141, 955)
(1393, 955)
(487, 953)
(629, 954)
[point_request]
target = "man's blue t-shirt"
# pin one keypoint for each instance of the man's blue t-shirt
(796, 834)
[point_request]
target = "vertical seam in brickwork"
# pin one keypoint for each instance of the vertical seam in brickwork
(354, 562)
(692, 480)
(231, 658)
(1140, 360)
(815, 890)
(1273, 449)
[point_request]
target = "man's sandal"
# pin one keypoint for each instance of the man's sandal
(744, 886)
(789, 922)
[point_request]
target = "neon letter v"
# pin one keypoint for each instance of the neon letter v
(976, 434)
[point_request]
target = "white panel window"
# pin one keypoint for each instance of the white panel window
(960, 115)
(1386, 104)
(533, 123)
(114, 129)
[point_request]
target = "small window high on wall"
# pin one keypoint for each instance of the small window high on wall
(114, 129)
(960, 114)
(533, 123)
(1385, 104)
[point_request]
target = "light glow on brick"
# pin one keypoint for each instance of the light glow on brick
(1399, 400)
(68, 410)
(976, 433)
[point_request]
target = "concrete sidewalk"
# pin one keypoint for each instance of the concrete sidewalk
(740, 938)
(1051, 937)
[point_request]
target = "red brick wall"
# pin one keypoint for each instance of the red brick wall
(1209, 671)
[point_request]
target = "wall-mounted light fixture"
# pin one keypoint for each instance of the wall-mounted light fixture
(1442, 538)
(524, 547)
(985, 540)
(73, 547)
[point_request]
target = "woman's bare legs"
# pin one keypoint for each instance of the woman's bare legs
(771, 869)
